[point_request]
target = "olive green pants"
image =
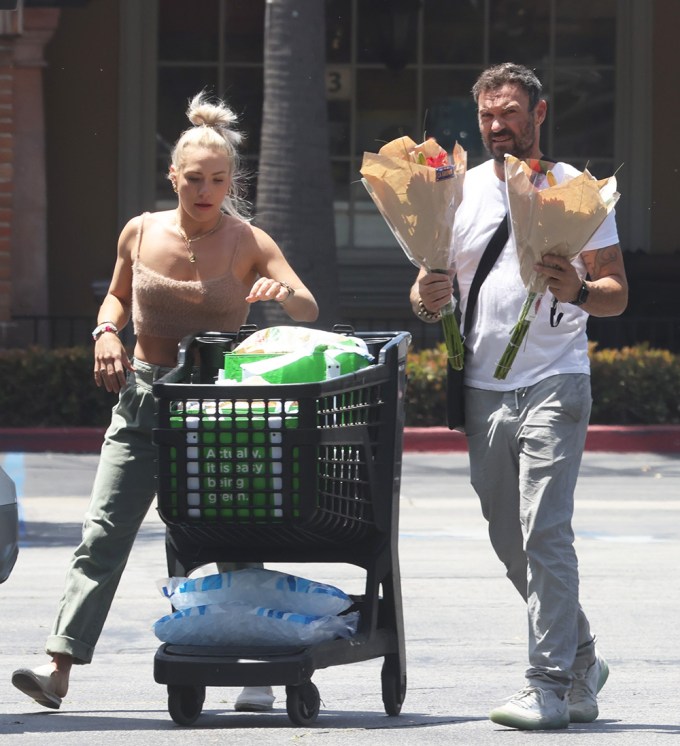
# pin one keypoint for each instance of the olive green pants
(124, 489)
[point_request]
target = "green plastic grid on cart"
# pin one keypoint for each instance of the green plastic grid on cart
(236, 469)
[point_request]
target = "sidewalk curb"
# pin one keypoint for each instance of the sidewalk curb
(617, 438)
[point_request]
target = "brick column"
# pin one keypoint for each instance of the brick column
(29, 224)
(6, 173)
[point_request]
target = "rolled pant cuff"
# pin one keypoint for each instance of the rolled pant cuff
(60, 645)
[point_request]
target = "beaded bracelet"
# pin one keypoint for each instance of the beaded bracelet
(426, 315)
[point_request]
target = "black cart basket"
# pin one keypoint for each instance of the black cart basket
(305, 472)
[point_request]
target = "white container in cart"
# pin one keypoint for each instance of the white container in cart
(9, 526)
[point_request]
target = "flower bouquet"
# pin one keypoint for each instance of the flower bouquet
(548, 218)
(417, 189)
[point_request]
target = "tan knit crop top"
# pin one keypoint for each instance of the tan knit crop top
(171, 309)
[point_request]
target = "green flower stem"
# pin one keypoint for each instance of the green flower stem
(454, 342)
(517, 337)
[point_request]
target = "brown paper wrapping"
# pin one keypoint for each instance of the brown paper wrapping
(418, 208)
(557, 220)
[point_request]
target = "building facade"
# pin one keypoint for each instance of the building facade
(96, 92)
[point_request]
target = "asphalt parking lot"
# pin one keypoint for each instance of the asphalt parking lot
(465, 625)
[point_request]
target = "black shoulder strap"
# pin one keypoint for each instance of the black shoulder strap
(489, 257)
(455, 407)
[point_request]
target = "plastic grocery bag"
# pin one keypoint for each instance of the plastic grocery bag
(258, 587)
(293, 354)
(241, 624)
(277, 339)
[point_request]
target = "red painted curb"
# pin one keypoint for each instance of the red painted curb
(620, 438)
(434, 440)
(645, 438)
(53, 439)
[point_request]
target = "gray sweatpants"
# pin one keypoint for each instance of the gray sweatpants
(525, 450)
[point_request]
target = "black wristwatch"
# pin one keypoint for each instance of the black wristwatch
(582, 296)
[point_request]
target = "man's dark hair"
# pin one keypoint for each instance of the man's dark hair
(508, 72)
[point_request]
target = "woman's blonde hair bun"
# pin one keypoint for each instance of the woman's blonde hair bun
(203, 112)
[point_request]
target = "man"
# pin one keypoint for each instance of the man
(526, 433)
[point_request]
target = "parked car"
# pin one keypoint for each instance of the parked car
(9, 526)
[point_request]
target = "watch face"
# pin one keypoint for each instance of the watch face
(582, 296)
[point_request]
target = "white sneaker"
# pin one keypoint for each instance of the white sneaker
(583, 694)
(42, 684)
(255, 699)
(533, 709)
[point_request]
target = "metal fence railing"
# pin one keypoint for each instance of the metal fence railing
(48, 331)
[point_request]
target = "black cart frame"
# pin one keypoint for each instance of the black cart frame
(284, 473)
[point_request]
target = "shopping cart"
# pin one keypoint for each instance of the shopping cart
(284, 473)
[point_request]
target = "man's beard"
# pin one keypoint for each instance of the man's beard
(520, 146)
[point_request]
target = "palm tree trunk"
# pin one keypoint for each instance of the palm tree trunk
(294, 188)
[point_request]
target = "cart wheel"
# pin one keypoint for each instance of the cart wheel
(303, 703)
(185, 703)
(393, 685)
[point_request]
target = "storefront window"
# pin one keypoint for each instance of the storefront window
(243, 35)
(339, 127)
(242, 89)
(453, 32)
(338, 31)
(450, 114)
(585, 32)
(195, 56)
(519, 31)
(399, 67)
(387, 32)
(186, 31)
(176, 86)
(386, 107)
(584, 103)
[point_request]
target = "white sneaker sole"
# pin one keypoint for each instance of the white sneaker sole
(510, 720)
(34, 686)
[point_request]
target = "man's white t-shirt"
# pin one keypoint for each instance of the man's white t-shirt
(547, 350)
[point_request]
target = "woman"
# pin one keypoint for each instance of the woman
(197, 267)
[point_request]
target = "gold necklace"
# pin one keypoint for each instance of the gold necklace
(188, 241)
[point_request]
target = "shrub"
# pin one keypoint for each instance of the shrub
(425, 399)
(55, 388)
(634, 385)
(51, 388)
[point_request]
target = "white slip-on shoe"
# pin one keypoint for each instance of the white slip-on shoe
(40, 684)
(255, 699)
(582, 696)
(533, 709)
